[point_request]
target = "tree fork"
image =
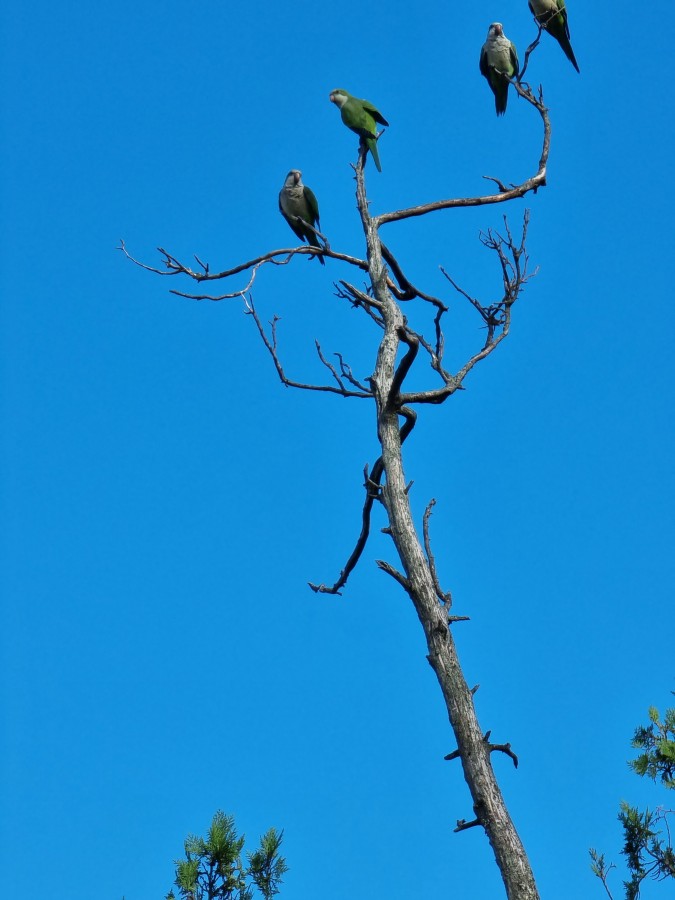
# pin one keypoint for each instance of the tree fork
(474, 751)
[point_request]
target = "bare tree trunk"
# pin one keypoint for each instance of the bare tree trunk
(418, 579)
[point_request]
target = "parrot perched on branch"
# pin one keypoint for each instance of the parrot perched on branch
(360, 116)
(552, 16)
(498, 63)
(296, 199)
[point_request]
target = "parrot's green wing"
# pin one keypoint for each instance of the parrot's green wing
(514, 60)
(374, 112)
(483, 65)
(563, 16)
(313, 204)
(293, 222)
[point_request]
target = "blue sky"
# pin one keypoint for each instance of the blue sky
(166, 500)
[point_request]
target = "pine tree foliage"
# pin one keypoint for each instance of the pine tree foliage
(648, 847)
(657, 741)
(213, 868)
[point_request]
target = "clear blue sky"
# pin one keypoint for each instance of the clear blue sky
(165, 500)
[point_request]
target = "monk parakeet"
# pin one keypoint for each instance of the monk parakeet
(296, 199)
(499, 62)
(360, 116)
(552, 16)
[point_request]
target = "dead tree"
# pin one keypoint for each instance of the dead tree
(389, 290)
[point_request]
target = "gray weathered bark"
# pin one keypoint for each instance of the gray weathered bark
(418, 579)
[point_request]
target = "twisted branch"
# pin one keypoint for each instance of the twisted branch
(372, 484)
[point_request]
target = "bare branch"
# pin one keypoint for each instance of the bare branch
(407, 291)
(359, 300)
(141, 265)
(503, 748)
(372, 486)
(533, 45)
(329, 366)
(444, 596)
(440, 339)
(274, 257)
(500, 184)
(410, 419)
(395, 574)
(205, 266)
(271, 344)
(403, 367)
(505, 194)
(513, 261)
(435, 352)
(173, 266)
(346, 372)
(242, 293)
(357, 297)
(463, 825)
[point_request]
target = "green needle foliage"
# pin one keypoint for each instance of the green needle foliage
(658, 743)
(213, 867)
(647, 843)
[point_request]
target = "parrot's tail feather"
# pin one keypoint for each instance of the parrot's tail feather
(372, 146)
(313, 240)
(569, 53)
(558, 30)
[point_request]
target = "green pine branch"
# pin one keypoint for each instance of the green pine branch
(647, 845)
(213, 868)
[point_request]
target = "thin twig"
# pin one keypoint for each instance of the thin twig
(395, 574)
(513, 261)
(532, 46)
(463, 825)
(372, 485)
(271, 344)
(505, 748)
(329, 366)
(444, 596)
(347, 373)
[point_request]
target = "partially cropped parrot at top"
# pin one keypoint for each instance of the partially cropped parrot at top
(360, 116)
(296, 199)
(499, 62)
(552, 16)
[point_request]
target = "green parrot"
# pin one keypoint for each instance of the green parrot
(360, 116)
(499, 62)
(552, 16)
(296, 199)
